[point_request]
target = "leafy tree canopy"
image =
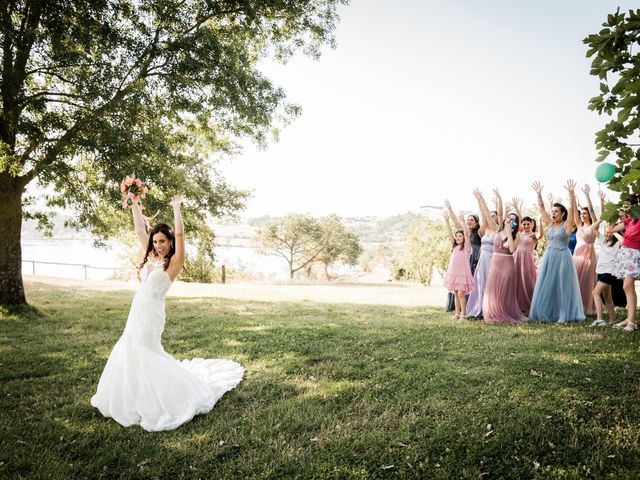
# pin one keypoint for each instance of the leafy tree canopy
(616, 62)
(93, 91)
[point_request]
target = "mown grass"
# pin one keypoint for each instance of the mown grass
(331, 391)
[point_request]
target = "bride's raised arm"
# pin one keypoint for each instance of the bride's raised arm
(140, 225)
(177, 260)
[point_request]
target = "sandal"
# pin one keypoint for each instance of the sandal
(455, 316)
(462, 317)
(630, 327)
(621, 324)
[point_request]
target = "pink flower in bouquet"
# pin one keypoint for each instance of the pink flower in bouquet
(132, 189)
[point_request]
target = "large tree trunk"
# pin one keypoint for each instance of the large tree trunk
(11, 286)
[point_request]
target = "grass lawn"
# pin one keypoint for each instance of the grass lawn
(331, 391)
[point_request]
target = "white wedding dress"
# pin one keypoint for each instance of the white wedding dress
(142, 384)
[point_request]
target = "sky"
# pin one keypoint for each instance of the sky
(427, 100)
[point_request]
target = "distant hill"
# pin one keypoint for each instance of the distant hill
(370, 229)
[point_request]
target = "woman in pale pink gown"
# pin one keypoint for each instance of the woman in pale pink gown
(524, 259)
(584, 256)
(499, 304)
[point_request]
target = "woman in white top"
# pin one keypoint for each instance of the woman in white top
(605, 270)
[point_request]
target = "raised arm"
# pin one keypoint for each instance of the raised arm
(484, 211)
(576, 213)
(499, 206)
(587, 189)
(465, 229)
(452, 215)
(446, 222)
(177, 261)
(544, 216)
(551, 200)
(140, 225)
(570, 223)
(517, 205)
(618, 227)
(540, 232)
(595, 226)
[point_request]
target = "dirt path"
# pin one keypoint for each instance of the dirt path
(377, 294)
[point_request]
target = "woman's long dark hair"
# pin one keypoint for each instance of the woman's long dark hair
(532, 221)
(455, 244)
(167, 232)
(563, 209)
(514, 231)
(475, 230)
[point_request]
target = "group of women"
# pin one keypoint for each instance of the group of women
(494, 271)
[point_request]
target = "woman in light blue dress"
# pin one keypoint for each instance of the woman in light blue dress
(556, 297)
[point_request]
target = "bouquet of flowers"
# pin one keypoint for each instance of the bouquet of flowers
(132, 190)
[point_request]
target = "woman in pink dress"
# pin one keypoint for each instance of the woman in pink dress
(499, 304)
(584, 256)
(458, 278)
(525, 261)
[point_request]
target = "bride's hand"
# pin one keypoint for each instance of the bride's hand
(176, 201)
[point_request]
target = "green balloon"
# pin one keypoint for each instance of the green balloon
(605, 172)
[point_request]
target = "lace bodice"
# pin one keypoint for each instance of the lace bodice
(586, 235)
(155, 283)
(557, 237)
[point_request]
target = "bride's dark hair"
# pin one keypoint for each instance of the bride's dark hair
(167, 232)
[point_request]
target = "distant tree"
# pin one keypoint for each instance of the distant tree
(297, 238)
(93, 91)
(616, 58)
(425, 247)
(302, 240)
(340, 245)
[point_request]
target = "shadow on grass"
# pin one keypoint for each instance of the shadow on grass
(331, 391)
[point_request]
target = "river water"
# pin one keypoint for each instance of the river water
(45, 257)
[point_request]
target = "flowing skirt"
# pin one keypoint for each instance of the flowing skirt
(526, 274)
(473, 260)
(474, 306)
(585, 260)
(499, 304)
(556, 297)
(143, 385)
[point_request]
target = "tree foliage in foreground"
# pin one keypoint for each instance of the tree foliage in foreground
(302, 240)
(616, 62)
(95, 91)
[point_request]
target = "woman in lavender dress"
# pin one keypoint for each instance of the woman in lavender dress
(474, 306)
(499, 303)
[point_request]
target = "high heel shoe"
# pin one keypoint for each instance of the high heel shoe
(631, 327)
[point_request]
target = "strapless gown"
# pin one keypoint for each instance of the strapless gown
(142, 384)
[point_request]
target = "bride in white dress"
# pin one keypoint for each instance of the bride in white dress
(142, 384)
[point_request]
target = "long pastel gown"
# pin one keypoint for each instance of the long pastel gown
(556, 297)
(142, 384)
(473, 261)
(584, 257)
(526, 272)
(474, 306)
(499, 304)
